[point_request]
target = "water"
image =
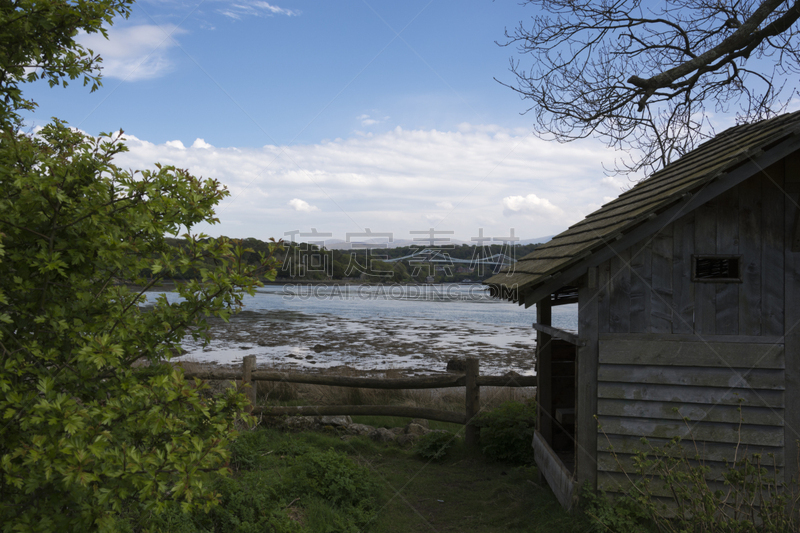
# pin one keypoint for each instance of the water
(374, 327)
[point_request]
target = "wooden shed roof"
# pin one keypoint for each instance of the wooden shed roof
(710, 169)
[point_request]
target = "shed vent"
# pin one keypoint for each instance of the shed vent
(717, 268)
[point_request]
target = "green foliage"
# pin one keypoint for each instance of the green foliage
(37, 41)
(333, 477)
(507, 432)
(674, 489)
(87, 428)
(747, 497)
(434, 445)
(623, 514)
(291, 486)
(249, 503)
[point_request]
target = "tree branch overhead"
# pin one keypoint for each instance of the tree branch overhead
(644, 77)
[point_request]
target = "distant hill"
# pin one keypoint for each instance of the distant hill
(339, 244)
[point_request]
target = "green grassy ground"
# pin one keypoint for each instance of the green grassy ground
(462, 492)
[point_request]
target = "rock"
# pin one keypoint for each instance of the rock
(382, 435)
(456, 365)
(335, 421)
(406, 440)
(319, 348)
(358, 429)
(299, 422)
(421, 421)
(397, 431)
(415, 429)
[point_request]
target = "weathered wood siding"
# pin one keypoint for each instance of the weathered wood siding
(728, 397)
(708, 362)
(649, 289)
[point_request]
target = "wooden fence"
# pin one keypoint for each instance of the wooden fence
(471, 380)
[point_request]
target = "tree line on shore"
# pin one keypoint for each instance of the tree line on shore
(311, 262)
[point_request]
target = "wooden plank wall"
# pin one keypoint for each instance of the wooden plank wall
(648, 287)
(724, 356)
(728, 397)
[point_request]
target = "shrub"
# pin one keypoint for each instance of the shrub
(284, 485)
(507, 431)
(749, 496)
(434, 445)
(622, 514)
(674, 490)
(332, 476)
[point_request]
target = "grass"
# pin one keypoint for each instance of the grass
(464, 492)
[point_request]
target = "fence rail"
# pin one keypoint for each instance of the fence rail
(471, 380)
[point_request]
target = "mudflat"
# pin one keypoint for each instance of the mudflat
(296, 341)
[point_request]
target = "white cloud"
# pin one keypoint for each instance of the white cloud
(254, 8)
(134, 53)
(176, 144)
(302, 205)
(530, 204)
(397, 181)
(367, 120)
(200, 143)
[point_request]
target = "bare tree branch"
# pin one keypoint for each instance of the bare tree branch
(645, 76)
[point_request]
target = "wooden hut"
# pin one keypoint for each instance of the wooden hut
(688, 293)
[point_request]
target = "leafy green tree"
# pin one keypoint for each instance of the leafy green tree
(37, 41)
(94, 422)
(96, 426)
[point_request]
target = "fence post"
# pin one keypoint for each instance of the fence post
(248, 364)
(473, 402)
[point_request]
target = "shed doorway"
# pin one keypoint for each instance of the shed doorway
(562, 367)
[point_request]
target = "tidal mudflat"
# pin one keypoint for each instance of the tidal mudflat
(296, 341)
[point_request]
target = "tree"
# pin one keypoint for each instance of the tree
(37, 41)
(96, 425)
(643, 76)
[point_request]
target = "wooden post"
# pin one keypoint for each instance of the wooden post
(248, 364)
(791, 426)
(586, 386)
(544, 389)
(473, 402)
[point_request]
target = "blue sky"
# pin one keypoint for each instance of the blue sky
(338, 116)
